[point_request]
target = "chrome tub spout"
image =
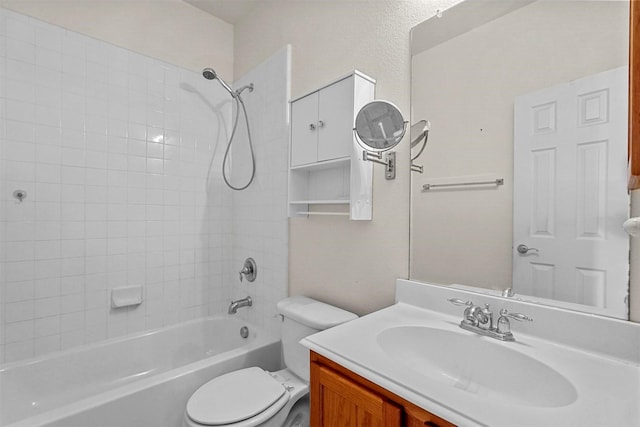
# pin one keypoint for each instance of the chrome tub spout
(235, 305)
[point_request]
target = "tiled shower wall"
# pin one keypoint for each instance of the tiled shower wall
(259, 223)
(112, 149)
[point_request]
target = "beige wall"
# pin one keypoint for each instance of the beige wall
(169, 30)
(351, 264)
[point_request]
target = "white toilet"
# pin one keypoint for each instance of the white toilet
(255, 397)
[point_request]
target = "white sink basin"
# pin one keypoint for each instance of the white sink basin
(473, 364)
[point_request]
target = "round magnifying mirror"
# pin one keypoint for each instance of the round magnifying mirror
(380, 125)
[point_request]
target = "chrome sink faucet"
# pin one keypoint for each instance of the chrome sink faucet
(480, 320)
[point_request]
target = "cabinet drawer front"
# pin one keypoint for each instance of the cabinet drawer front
(304, 130)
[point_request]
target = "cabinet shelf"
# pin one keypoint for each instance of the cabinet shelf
(327, 164)
(320, 202)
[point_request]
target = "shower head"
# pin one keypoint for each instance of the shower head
(210, 74)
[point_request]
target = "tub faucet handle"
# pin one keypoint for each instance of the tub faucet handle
(250, 269)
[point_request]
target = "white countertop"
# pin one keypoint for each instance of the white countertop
(608, 387)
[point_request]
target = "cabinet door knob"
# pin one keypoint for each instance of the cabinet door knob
(320, 123)
(312, 126)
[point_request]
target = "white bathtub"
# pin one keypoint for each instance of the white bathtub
(141, 380)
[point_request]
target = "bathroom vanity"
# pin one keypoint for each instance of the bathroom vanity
(412, 364)
(342, 397)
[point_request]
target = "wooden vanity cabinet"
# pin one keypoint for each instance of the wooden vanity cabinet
(342, 398)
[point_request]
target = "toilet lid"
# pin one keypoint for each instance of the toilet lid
(234, 397)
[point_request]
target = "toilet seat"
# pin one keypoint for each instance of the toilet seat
(235, 397)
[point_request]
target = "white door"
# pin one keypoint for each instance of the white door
(570, 197)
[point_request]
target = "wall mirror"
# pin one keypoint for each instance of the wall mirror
(532, 95)
(380, 125)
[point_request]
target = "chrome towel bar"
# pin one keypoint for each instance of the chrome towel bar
(427, 187)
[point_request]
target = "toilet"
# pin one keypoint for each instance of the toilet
(254, 397)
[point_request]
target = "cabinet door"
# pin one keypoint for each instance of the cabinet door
(304, 130)
(416, 417)
(336, 120)
(338, 401)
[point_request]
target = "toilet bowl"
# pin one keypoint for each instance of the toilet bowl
(254, 397)
(246, 398)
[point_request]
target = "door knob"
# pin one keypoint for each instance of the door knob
(524, 249)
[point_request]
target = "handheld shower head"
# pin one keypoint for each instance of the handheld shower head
(210, 74)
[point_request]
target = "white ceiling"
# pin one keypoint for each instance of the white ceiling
(231, 11)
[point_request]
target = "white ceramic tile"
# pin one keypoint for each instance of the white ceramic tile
(47, 192)
(47, 287)
(48, 211)
(73, 44)
(96, 247)
(19, 291)
(19, 271)
(18, 311)
(72, 212)
(19, 50)
(48, 173)
(47, 249)
(46, 230)
(72, 285)
(48, 154)
(19, 251)
(47, 135)
(18, 351)
(96, 159)
(19, 131)
(47, 307)
(47, 344)
(19, 70)
(20, 151)
(47, 326)
(73, 138)
(45, 268)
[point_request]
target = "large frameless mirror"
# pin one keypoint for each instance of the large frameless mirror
(531, 95)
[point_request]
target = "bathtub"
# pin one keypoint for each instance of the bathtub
(140, 380)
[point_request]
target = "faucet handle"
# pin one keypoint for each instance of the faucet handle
(456, 301)
(249, 269)
(517, 316)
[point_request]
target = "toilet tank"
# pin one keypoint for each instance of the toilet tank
(302, 317)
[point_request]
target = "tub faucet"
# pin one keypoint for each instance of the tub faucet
(235, 305)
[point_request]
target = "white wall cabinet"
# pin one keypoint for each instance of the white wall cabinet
(326, 166)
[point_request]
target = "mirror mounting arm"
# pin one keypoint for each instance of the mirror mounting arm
(389, 161)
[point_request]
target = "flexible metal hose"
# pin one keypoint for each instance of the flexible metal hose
(239, 103)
